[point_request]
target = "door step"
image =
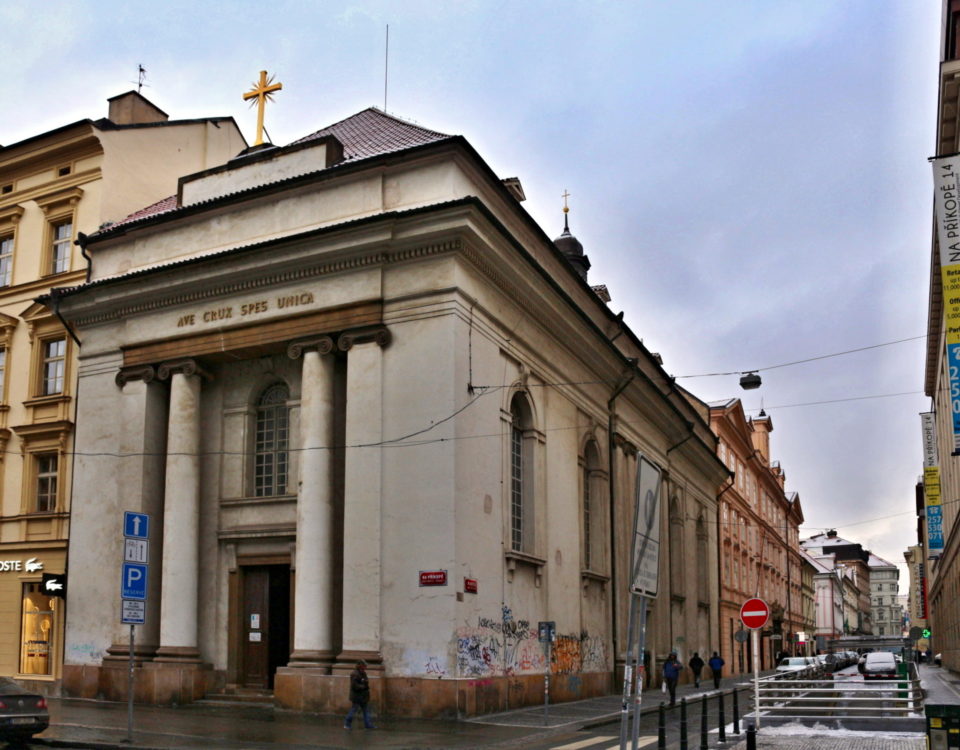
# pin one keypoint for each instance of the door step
(244, 696)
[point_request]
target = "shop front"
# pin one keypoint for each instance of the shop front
(32, 619)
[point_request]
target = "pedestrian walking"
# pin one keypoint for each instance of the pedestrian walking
(671, 673)
(716, 667)
(359, 696)
(696, 666)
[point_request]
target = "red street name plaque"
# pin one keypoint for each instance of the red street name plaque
(470, 585)
(433, 578)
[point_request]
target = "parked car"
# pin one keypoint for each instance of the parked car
(795, 663)
(22, 713)
(879, 665)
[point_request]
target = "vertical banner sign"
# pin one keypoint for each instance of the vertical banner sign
(931, 483)
(646, 530)
(946, 172)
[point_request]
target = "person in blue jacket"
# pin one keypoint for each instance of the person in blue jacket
(716, 667)
(671, 673)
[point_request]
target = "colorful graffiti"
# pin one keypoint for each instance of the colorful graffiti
(510, 647)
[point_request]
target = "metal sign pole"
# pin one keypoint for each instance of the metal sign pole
(130, 692)
(546, 684)
(627, 675)
(641, 644)
(756, 677)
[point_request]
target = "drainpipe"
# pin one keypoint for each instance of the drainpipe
(55, 299)
(625, 380)
(81, 242)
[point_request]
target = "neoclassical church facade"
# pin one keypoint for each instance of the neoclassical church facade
(372, 411)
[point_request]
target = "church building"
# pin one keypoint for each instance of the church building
(372, 411)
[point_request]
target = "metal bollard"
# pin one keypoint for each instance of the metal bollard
(736, 713)
(662, 729)
(703, 723)
(723, 722)
(751, 737)
(683, 724)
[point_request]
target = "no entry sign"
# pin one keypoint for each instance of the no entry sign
(754, 613)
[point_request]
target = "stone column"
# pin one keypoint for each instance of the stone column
(313, 619)
(181, 516)
(142, 424)
(361, 501)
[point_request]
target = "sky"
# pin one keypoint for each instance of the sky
(749, 179)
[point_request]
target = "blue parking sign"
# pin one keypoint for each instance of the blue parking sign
(134, 582)
(136, 525)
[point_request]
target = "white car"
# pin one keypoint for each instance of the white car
(795, 663)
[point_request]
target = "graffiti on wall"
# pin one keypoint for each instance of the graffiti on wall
(509, 646)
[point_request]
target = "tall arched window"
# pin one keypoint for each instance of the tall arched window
(271, 451)
(593, 497)
(521, 474)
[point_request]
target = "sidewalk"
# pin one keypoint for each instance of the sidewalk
(597, 711)
(103, 725)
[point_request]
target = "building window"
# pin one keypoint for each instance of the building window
(6, 260)
(272, 442)
(46, 501)
(37, 630)
(521, 475)
(62, 238)
(586, 518)
(54, 359)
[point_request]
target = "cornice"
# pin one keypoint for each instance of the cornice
(365, 260)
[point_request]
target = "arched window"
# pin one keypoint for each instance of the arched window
(271, 451)
(594, 491)
(521, 474)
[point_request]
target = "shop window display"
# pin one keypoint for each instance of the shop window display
(37, 630)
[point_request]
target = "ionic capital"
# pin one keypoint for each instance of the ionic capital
(377, 334)
(184, 366)
(322, 344)
(146, 373)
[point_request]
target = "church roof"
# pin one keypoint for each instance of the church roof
(370, 132)
(373, 132)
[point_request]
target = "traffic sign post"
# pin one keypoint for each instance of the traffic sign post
(754, 614)
(133, 588)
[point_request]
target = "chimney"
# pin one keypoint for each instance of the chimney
(760, 434)
(133, 109)
(832, 534)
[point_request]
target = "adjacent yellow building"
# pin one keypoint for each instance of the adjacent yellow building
(54, 187)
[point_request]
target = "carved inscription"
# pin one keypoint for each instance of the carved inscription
(253, 307)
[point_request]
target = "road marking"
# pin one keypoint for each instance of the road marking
(644, 741)
(585, 743)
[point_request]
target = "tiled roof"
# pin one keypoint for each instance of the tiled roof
(367, 133)
(372, 132)
(160, 207)
(876, 561)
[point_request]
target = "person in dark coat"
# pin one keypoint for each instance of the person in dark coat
(696, 666)
(716, 667)
(359, 696)
(671, 673)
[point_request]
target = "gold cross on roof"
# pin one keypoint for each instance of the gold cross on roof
(262, 92)
(565, 195)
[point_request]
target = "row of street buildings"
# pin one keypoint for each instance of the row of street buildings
(365, 408)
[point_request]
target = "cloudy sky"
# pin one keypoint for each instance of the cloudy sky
(750, 179)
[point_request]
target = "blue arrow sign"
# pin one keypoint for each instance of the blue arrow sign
(136, 525)
(134, 582)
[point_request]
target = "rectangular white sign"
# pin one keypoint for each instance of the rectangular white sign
(646, 535)
(135, 550)
(133, 612)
